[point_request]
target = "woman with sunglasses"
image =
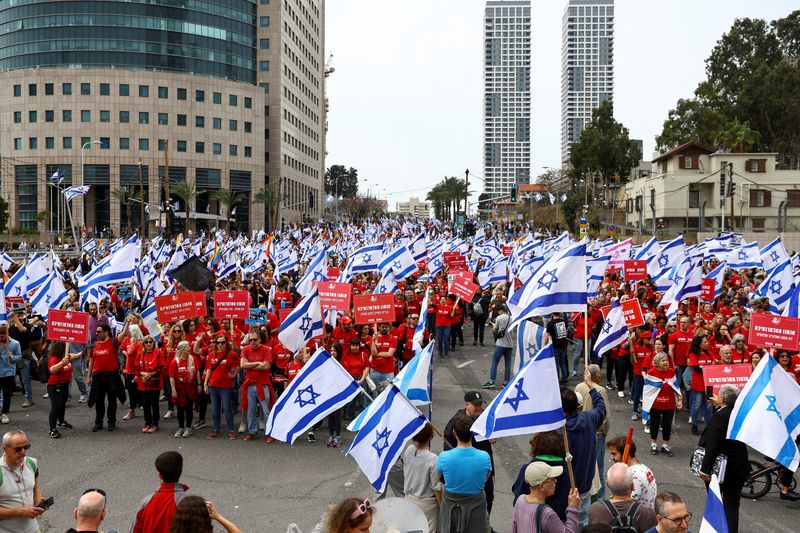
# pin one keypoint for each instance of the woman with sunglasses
(131, 350)
(149, 372)
(699, 356)
(350, 516)
(170, 346)
(60, 364)
(184, 378)
(221, 367)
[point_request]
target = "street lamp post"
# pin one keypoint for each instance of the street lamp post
(141, 206)
(83, 181)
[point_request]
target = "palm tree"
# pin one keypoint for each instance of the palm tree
(229, 199)
(124, 199)
(187, 194)
(270, 197)
(437, 197)
(738, 136)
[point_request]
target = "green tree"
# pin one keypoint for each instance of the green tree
(341, 181)
(738, 136)
(123, 197)
(438, 197)
(691, 120)
(605, 148)
(229, 199)
(186, 192)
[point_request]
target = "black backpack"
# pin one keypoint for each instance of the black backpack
(620, 523)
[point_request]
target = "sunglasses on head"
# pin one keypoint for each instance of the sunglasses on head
(361, 509)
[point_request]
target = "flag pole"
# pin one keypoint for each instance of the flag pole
(586, 338)
(568, 457)
(626, 453)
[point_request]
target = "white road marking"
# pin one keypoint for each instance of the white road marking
(462, 365)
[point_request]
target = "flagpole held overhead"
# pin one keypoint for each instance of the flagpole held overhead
(568, 458)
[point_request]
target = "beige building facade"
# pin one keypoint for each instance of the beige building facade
(414, 207)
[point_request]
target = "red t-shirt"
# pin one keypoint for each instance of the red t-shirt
(133, 351)
(697, 377)
(681, 340)
(405, 334)
(399, 311)
(105, 356)
(283, 300)
(150, 362)
(355, 362)
(443, 317)
(343, 337)
(221, 366)
(292, 369)
(179, 370)
(666, 396)
(641, 354)
(280, 355)
(260, 355)
(62, 376)
(383, 343)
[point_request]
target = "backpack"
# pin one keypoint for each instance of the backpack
(477, 309)
(623, 524)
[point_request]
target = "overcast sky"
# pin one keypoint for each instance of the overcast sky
(406, 97)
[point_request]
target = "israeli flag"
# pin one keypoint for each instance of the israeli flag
(745, 256)
(290, 262)
(530, 268)
(74, 192)
(792, 308)
(321, 387)
(773, 254)
(400, 262)
(687, 282)
(17, 284)
(150, 321)
(387, 284)
(366, 258)
(488, 252)
(718, 275)
(530, 403)
(418, 247)
(671, 253)
(494, 273)
(303, 323)
(57, 177)
(558, 286)
(614, 331)
(317, 271)
(647, 250)
(419, 332)
(651, 390)
(118, 267)
(37, 271)
(778, 286)
(435, 262)
(384, 435)
(531, 338)
(3, 309)
(595, 273)
(714, 520)
(766, 416)
(413, 378)
(51, 295)
(89, 245)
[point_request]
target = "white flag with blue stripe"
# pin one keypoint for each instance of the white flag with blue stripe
(647, 250)
(50, 295)
(595, 273)
(321, 387)
(384, 435)
(714, 520)
(18, 283)
(413, 378)
(531, 337)
(792, 308)
(366, 259)
(745, 256)
(387, 284)
(652, 387)
(74, 192)
(303, 323)
(530, 403)
(495, 273)
(418, 247)
(317, 271)
(3, 309)
(614, 331)
(400, 262)
(766, 416)
(419, 331)
(778, 286)
(718, 275)
(773, 254)
(150, 321)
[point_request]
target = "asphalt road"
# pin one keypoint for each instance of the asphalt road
(264, 487)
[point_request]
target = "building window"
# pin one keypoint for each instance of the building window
(248, 102)
(264, 87)
(86, 115)
(233, 100)
(105, 143)
(793, 198)
(33, 143)
(49, 115)
(760, 198)
(86, 89)
(264, 22)
(87, 142)
(66, 89)
(162, 144)
(263, 44)
(49, 89)
(17, 90)
(758, 224)
(66, 143)
(17, 117)
(144, 144)
(217, 98)
(233, 149)
(216, 123)
(49, 143)
(105, 89)
(144, 91)
(688, 162)
(32, 116)
(27, 203)
(105, 116)
(144, 117)
(124, 117)
(233, 125)
(124, 89)
(199, 147)
(248, 151)
(216, 148)
(163, 92)
(18, 143)
(248, 127)
(31, 89)
(200, 122)
(756, 165)
(199, 96)
(163, 118)
(694, 199)
(124, 143)
(181, 120)
(181, 94)
(263, 66)
(181, 146)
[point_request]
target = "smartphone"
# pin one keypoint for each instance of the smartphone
(46, 504)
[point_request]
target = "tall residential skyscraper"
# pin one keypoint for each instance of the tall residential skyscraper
(507, 95)
(587, 65)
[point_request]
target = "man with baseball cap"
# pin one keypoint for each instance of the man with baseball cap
(531, 513)
(474, 403)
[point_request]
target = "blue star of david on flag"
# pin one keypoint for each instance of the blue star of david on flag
(775, 287)
(774, 256)
(437, 262)
(47, 298)
(678, 278)
(742, 255)
(531, 350)
(305, 325)
(366, 259)
(317, 275)
(520, 397)
(772, 407)
(381, 441)
(663, 261)
(606, 327)
(547, 280)
(397, 265)
(306, 396)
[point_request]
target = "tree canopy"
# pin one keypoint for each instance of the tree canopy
(749, 100)
(341, 181)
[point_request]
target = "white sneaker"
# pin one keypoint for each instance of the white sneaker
(82, 399)
(178, 434)
(621, 394)
(187, 433)
(27, 403)
(4, 419)
(168, 415)
(45, 395)
(242, 427)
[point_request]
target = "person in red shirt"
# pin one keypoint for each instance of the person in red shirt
(257, 388)
(679, 342)
(790, 363)
(104, 378)
(641, 351)
(60, 364)
(344, 332)
(444, 311)
(221, 366)
(156, 510)
(169, 346)
(382, 360)
(355, 359)
(294, 366)
(699, 355)
(150, 373)
(184, 378)
(663, 409)
(582, 327)
(740, 353)
(283, 298)
(131, 350)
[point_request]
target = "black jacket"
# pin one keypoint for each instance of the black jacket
(715, 442)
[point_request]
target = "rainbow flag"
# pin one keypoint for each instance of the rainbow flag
(215, 257)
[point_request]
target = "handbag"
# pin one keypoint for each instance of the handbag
(719, 467)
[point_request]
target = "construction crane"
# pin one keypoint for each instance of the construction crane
(329, 66)
(328, 71)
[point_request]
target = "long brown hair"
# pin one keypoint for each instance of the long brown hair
(191, 516)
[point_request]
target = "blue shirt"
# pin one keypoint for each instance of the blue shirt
(8, 369)
(464, 469)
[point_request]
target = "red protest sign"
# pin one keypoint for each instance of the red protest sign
(632, 312)
(15, 302)
(180, 306)
(422, 264)
(371, 308)
(716, 376)
(773, 331)
(707, 290)
(454, 260)
(635, 270)
(68, 326)
(605, 309)
(333, 272)
(283, 313)
(231, 304)
(333, 295)
(463, 287)
(507, 250)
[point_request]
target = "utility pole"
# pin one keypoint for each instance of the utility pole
(142, 227)
(466, 195)
(166, 180)
(722, 190)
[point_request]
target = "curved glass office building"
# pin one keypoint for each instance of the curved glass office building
(118, 95)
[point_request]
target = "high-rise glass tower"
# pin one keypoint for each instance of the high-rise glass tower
(587, 65)
(506, 95)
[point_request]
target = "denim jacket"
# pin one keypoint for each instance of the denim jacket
(11, 347)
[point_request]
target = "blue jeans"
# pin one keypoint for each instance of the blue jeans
(636, 391)
(252, 402)
(78, 368)
(26, 378)
(221, 399)
(699, 402)
(505, 353)
(380, 377)
(601, 466)
(586, 501)
(577, 354)
(442, 340)
(561, 362)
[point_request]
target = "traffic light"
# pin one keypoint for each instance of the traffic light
(722, 179)
(731, 189)
(514, 193)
